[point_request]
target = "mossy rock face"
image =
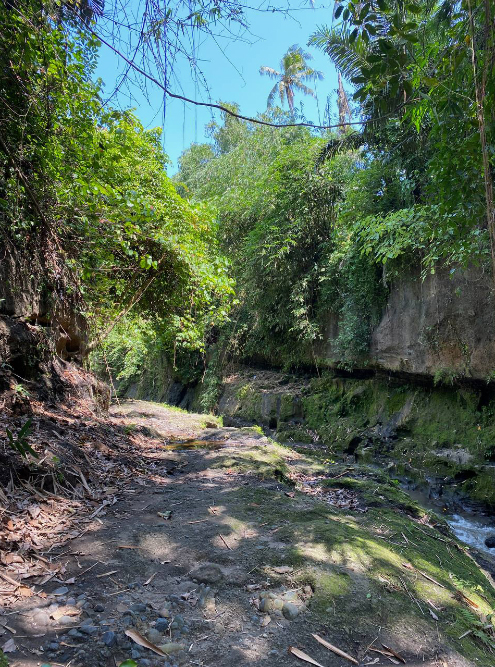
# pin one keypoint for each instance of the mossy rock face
(428, 430)
(443, 432)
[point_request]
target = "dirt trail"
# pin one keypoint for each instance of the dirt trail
(212, 554)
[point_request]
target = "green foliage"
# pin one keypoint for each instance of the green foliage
(19, 441)
(412, 68)
(446, 377)
(84, 188)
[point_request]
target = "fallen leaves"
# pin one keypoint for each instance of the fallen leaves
(9, 646)
(142, 641)
(303, 656)
(307, 658)
(334, 649)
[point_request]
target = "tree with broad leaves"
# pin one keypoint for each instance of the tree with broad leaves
(294, 70)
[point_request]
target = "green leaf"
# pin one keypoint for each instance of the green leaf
(407, 87)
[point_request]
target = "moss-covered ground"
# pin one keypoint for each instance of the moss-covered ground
(393, 565)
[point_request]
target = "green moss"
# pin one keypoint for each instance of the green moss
(293, 434)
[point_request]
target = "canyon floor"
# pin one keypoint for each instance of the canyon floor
(177, 541)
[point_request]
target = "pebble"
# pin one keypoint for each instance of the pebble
(63, 590)
(138, 607)
(41, 618)
(53, 646)
(75, 633)
(290, 611)
(135, 653)
(89, 629)
(209, 573)
(162, 624)
(171, 648)
(99, 608)
(109, 638)
(67, 620)
(71, 602)
(154, 636)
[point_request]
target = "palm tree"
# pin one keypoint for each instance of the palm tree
(293, 71)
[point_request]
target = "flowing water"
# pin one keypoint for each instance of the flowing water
(470, 527)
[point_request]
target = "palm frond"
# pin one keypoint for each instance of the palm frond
(348, 142)
(311, 74)
(348, 57)
(269, 71)
(272, 95)
(303, 89)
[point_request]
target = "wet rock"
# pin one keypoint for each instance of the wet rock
(109, 638)
(290, 611)
(490, 541)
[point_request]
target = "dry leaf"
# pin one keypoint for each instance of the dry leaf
(9, 647)
(303, 656)
(335, 650)
(13, 558)
(142, 641)
(25, 592)
(394, 653)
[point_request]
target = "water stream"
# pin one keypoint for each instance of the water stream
(470, 527)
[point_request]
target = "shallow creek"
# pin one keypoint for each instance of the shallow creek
(469, 527)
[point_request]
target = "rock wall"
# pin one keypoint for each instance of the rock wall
(443, 325)
(441, 437)
(41, 334)
(34, 289)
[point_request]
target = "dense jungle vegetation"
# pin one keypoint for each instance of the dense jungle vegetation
(263, 230)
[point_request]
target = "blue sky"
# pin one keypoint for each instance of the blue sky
(231, 69)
